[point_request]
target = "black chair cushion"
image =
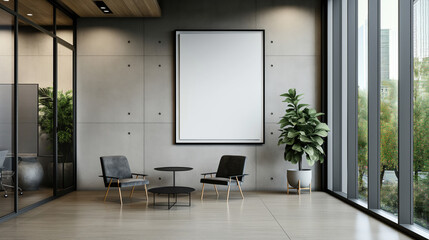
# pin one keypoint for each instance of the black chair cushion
(231, 165)
(216, 181)
(131, 182)
(115, 166)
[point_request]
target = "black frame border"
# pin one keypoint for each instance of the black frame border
(174, 33)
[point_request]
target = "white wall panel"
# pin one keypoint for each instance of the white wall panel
(33, 42)
(7, 38)
(102, 139)
(36, 69)
(285, 72)
(158, 31)
(159, 89)
(111, 36)
(270, 163)
(219, 14)
(6, 69)
(291, 25)
(108, 89)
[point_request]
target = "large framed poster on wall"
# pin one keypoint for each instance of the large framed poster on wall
(220, 86)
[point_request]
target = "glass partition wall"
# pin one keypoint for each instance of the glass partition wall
(37, 136)
(65, 108)
(7, 124)
(35, 114)
(386, 60)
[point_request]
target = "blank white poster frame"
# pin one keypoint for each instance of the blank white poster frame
(220, 86)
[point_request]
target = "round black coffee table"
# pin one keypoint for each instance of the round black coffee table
(174, 170)
(172, 190)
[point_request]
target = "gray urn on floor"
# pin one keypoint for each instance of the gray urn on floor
(30, 173)
(295, 175)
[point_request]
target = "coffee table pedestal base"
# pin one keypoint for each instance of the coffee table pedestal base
(172, 191)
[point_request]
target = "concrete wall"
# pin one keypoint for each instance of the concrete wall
(125, 78)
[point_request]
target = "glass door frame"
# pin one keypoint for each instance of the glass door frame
(56, 40)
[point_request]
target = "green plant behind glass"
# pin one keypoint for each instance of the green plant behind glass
(421, 141)
(65, 119)
(301, 131)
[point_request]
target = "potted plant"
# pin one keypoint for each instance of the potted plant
(302, 133)
(64, 129)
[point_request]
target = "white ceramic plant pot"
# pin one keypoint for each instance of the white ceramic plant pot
(303, 176)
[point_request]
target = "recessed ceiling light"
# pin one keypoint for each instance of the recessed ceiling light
(5, 0)
(103, 7)
(29, 14)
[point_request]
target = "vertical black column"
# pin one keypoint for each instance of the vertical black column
(74, 106)
(324, 83)
(15, 106)
(55, 95)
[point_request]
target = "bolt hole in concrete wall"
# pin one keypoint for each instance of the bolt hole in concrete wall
(108, 89)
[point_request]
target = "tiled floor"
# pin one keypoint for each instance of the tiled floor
(261, 215)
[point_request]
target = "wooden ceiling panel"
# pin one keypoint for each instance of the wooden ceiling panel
(41, 11)
(120, 8)
(9, 4)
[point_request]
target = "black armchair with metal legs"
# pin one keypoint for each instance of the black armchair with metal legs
(117, 173)
(230, 170)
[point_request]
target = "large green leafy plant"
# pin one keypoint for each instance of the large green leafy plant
(301, 131)
(65, 119)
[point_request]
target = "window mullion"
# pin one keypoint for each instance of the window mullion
(352, 101)
(405, 116)
(373, 104)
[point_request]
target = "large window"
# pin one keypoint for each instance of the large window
(421, 112)
(388, 74)
(387, 91)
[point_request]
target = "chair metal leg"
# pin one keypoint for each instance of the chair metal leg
(108, 187)
(239, 187)
(229, 187)
(120, 194)
(145, 189)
